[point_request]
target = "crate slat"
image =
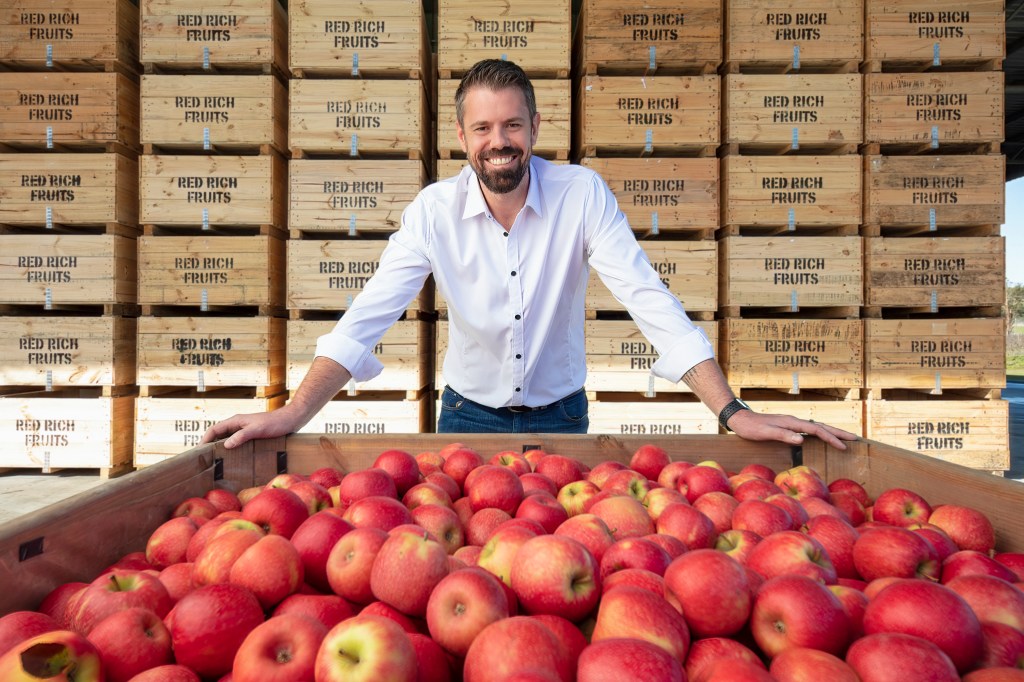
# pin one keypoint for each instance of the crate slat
(800, 33)
(688, 269)
(918, 32)
(844, 414)
(651, 418)
(366, 416)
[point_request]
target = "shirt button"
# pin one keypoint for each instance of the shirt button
(513, 273)
(519, 356)
(518, 389)
(505, 233)
(519, 317)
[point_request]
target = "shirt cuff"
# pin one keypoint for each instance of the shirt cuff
(693, 349)
(358, 359)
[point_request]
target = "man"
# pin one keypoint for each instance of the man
(510, 242)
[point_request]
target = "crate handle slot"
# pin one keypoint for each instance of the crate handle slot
(527, 448)
(30, 548)
(282, 461)
(218, 468)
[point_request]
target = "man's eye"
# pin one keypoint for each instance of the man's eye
(514, 125)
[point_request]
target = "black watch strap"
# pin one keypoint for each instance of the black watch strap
(729, 410)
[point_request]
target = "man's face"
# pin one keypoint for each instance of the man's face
(498, 136)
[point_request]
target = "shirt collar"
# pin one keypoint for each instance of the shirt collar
(476, 204)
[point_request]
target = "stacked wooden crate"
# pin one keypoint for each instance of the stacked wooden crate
(69, 137)
(789, 247)
(934, 200)
(647, 118)
(361, 149)
(212, 204)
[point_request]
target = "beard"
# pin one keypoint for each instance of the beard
(501, 180)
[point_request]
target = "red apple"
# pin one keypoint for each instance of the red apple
(701, 479)
(970, 562)
(600, 473)
(199, 509)
(568, 635)
(634, 553)
(993, 600)
(460, 462)
(534, 482)
(932, 612)
(901, 507)
(482, 524)
(277, 510)
(1014, 561)
(802, 482)
(315, 496)
(1003, 646)
(426, 493)
(851, 506)
(544, 509)
(793, 553)
(515, 644)
(672, 475)
(636, 613)
(281, 649)
(659, 498)
(118, 590)
(379, 608)
(560, 469)
(445, 483)
(795, 611)
(718, 507)
(366, 649)
(384, 513)
(838, 538)
(328, 477)
(209, 625)
(738, 544)
(809, 665)
(937, 538)
(55, 604)
(431, 660)
(314, 540)
(512, 460)
(705, 653)
(429, 462)
(969, 528)
(130, 642)
(213, 565)
(224, 500)
(761, 518)
(498, 552)
(18, 626)
(351, 561)
(627, 659)
(60, 656)
(366, 483)
(672, 546)
(846, 485)
(468, 554)
(494, 486)
(755, 489)
(628, 482)
(403, 468)
(442, 523)
(271, 569)
(894, 657)
(406, 570)
(686, 524)
(167, 673)
(177, 578)
(649, 460)
(737, 670)
(168, 544)
(637, 577)
(711, 590)
(328, 609)
(573, 496)
(792, 506)
(462, 605)
(886, 551)
(555, 574)
(590, 531)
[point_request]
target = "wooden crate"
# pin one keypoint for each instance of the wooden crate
(66, 432)
(664, 194)
(359, 117)
(619, 358)
(365, 38)
(532, 33)
(932, 110)
(971, 433)
(230, 35)
(213, 191)
(935, 354)
(797, 34)
(919, 32)
(791, 192)
(844, 414)
(553, 105)
(69, 110)
(328, 275)
(792, 355)
(212, 271)
(67, 269)
(688, 269)
(231, 112)
(67, 351)
(791, 273)
(944, 191)
(932, 273)
(68, 189)
(659, 114)
(73, 34)
(643, 37)
(211, 352)
(650, 417)
(404, 350)
(168, 425)
(789, 112)
(351, 196)
(384, 414)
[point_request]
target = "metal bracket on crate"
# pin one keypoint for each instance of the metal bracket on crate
(795, 388)
(46, 462)
(30, 548)
(796, 57)
(49, 56)
(795, 144)
(206, 219)
(792, 220)
(206, 57)
(649, 141)
(204, 303)
(931, 220)
(654, 222)
(793, 304)
(504, 57)
(650, 387)
(355, 63)
(938, 384)
(352, 225)
(936, 60)
(49, 380)
(350, 389)
(935, 137)
(49, 137)
(652, 62)
(206, 139)
(348, 301)
(48, 299)
(935, 301)
(354, 147)
(200, 381)
(49, 217)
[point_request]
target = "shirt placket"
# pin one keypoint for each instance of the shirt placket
(515, 295)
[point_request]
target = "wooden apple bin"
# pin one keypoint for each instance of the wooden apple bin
(77, 538)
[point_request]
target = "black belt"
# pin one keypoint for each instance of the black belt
(519, 409)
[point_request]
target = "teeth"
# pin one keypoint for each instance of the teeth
(501, 160)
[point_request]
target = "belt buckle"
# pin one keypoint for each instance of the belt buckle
(520, 409)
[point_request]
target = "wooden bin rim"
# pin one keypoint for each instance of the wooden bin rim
(77, 538)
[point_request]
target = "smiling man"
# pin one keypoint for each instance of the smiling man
(510, 242)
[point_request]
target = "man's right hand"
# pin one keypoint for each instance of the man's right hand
(245, 427)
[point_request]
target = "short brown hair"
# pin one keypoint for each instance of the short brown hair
(495, 74)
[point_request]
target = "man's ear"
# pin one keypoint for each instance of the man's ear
(461, 134)
(536, 129)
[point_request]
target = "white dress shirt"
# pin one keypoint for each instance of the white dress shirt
(516, 298)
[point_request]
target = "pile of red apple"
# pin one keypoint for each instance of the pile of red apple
(534, 568)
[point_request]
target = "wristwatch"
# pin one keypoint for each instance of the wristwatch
(729, 410)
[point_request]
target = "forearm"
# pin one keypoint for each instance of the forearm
(321, 383)
(708, 383)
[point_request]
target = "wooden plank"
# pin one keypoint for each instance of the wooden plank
(935, 354)
(619, 38)
(792, 354)
(68, 269)
(793, 191)
(843, 414)
(368, 37)
(804, 33)
(359, 415)
(553, 104)
(216, 351)
(536, 36)
(971, 433)
(215, 191)
(908, 271)
(920, 31)
(233, 111)
(772, 271)
(688, 269)
(80, 33)
(78, 189)
(404, 350)
(67, 351)
(325, 196)
(650, 418)
(940, 190)
(822, 109)
(933, 109)
(663, 194)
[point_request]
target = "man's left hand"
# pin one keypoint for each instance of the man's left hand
(786, 429)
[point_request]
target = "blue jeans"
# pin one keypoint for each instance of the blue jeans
(461, 415)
